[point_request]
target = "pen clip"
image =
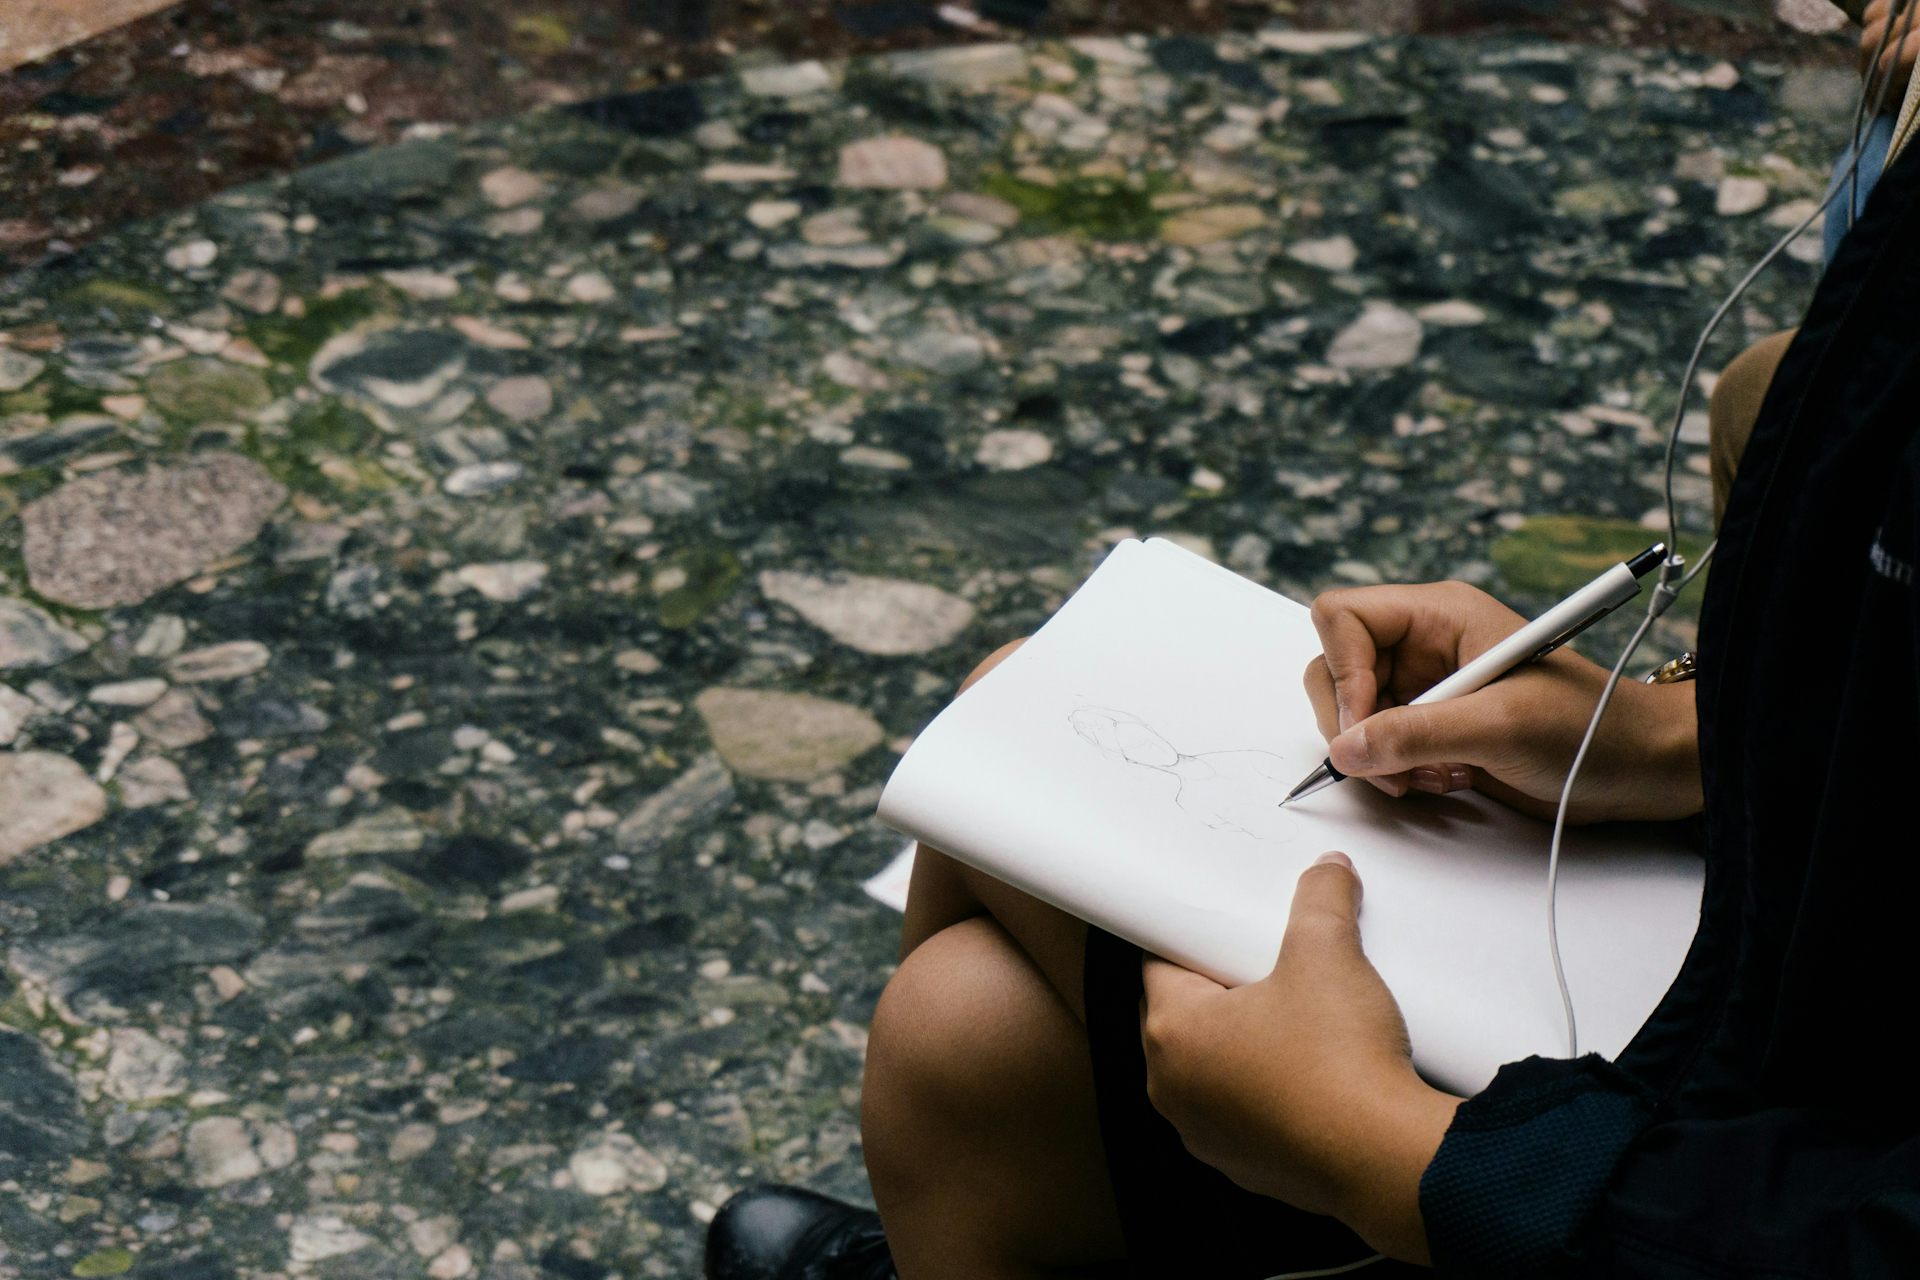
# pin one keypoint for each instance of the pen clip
(1571, 632)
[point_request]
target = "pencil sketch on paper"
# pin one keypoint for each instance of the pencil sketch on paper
(1224, 790)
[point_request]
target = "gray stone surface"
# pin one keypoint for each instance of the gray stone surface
(174, 721)
(687, 803)
(522, 398)
(15, 710)
(144, 1068)
(40, 1117)
(491, 856)
(882, 616)
(400, 368)
(613, 1163)
(150, 781)
(895, 162)
(229, 660)
(1383, 337)
(220, 1150)
(118, 537)
(44, 796)
(18, 368)
(31, 637)
(792, 737)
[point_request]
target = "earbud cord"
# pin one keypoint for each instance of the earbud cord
(1860, 114)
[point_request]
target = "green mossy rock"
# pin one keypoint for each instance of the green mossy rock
(1551, 556)
(104, 1262)
(207, 390)
(294, 339)
(1099, 208)
(712, 573)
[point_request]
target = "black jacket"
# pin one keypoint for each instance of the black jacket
(1766, 1120)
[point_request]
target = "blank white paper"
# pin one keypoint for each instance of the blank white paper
(1127, 763)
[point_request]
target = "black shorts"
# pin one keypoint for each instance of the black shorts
(1182, 1218)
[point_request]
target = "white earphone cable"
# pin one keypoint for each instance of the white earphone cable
(1860, 119)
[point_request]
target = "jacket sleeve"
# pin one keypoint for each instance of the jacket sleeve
(1564, 1169)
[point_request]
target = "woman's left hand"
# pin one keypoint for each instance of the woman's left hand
(1300, 1086)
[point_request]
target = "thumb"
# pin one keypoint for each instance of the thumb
(1401, 738)
(1326, 903)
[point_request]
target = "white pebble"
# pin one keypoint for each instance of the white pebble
(590, 286)
(1012, 449)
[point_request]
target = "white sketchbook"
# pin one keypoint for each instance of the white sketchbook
(1127, 764)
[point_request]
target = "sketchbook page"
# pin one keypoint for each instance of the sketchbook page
(1127, 763)
(889, 884)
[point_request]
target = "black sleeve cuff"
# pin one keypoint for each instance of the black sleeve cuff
(1524, 1162)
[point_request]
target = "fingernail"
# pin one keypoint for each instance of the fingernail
(1428, 780)
(1350, 752)
(1334, 855)
(1346, 716)
(1459, 778)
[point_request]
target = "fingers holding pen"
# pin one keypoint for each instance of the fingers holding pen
(1434, 777)
(1383, 644)
(1425, 740)
(1326, 711)
(1354, 655)
(1510, 740)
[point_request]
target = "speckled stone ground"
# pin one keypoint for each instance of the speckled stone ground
(458, 604)
(207, 94)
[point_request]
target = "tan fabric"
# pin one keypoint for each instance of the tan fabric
(1734, 406)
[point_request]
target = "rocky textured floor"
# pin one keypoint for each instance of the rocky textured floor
(208, 94)
(458, 604)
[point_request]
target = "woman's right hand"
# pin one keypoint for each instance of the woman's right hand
(1514, 739)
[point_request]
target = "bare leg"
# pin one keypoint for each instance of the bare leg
(946, 892)
(982, 1139)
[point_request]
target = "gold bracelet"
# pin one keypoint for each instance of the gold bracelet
(1684, 667)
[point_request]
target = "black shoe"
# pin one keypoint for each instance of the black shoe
(785, 1233)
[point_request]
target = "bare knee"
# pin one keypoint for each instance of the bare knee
(935, 1029)
(951, 1045)
(979, 1119)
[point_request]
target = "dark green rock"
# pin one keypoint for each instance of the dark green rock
(40, 1118)
(409, 171)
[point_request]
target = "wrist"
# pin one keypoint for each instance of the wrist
(1392, 1143)
(1673, 742)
